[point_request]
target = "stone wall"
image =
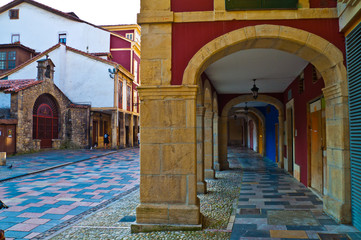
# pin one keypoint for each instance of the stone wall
(78, 126)
(22, 104)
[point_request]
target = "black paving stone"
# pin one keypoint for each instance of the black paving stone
(277, 203)
(313, 228)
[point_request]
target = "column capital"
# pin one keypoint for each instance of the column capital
(208, 114)
(167, 92)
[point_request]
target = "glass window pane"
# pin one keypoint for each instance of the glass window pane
(2, 55)
(11, 55)
(2, 65)
(11, 64)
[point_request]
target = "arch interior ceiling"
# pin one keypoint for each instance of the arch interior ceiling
(273, 69)
(251, 104)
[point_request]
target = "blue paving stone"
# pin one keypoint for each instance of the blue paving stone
(37, 209)
(14, 219)
(313, 228)
(5, 225)
(16, 234)
(52, 216)
(257, 233)
(128, 219)
(9, 214)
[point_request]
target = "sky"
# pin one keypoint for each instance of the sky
(98, 12)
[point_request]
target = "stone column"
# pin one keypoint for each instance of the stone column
(337, 201)
(215, 143)
(168, 170)
(114, 126)
(136, 128)
(201, 184)
(131, 132)
(208, 146)
(223, 142)
(122, 130)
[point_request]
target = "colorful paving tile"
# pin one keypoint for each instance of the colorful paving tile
(29, 163)
(39, 202)
(273, 205)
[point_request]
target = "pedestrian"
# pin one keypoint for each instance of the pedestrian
(106, 140)
(138, 136)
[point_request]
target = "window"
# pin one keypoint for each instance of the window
(120, 95)
(234, 5)
(136, 71)
(14, 13)
(2, 60)
(129, 99)
(15, 38)
(62, 38)
(129, 36)
(11, 59)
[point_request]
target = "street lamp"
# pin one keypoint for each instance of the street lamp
(254, 89)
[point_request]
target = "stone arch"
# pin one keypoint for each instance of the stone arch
(321, 53)
(329, 61)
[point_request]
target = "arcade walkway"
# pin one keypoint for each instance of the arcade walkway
(273, 205)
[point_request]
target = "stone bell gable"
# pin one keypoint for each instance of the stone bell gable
(45, 69)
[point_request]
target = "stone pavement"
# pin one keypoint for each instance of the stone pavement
(46, 201)
(25, 164)
(273, 205)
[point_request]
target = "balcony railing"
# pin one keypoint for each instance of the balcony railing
(234, 5)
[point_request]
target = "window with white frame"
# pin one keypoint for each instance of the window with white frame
(129, 36)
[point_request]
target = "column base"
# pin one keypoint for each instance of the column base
(341, 211)
(209, 174)
(217, 166)
(142, 227)
(168, 214)
(224, 166)
(201, 187)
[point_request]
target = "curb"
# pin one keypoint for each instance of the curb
(62, 165)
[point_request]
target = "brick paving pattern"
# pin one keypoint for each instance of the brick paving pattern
(39, 202)
(274, 205)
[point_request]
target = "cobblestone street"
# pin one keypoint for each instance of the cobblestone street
(42, 201)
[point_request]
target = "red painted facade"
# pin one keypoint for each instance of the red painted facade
(311, 92)
(188, 38)
(191, 5)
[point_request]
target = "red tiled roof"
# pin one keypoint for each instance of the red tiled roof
(11, 86)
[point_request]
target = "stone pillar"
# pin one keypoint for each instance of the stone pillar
(122, 130)
(168, 170)
(223, 142)
(131, 132)
(337, 201)
(215, 143)
(208, 146)
(201, 184)
(114, 126)
(136, 129)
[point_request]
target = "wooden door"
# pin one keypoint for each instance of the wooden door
(2, 138)
(316, 146)
(260, 138)
(251, 134)
(10, 139)
(95, 133)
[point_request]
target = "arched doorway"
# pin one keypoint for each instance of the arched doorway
(45, 120)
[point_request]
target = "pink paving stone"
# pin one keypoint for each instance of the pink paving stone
(23, 227)
(57, 210)
(31, 215)
(39, 204)
(38, 221)
(97, 197)
(31, 235)
(67, 217)
(16, 208)
(69, 207)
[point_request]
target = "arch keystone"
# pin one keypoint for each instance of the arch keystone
(267, 31)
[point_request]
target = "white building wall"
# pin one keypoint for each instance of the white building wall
(5, 100)
(39, 29)
(81, 79)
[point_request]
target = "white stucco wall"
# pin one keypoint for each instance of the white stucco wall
(80, 78)
(5, 100)
(39, 29)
